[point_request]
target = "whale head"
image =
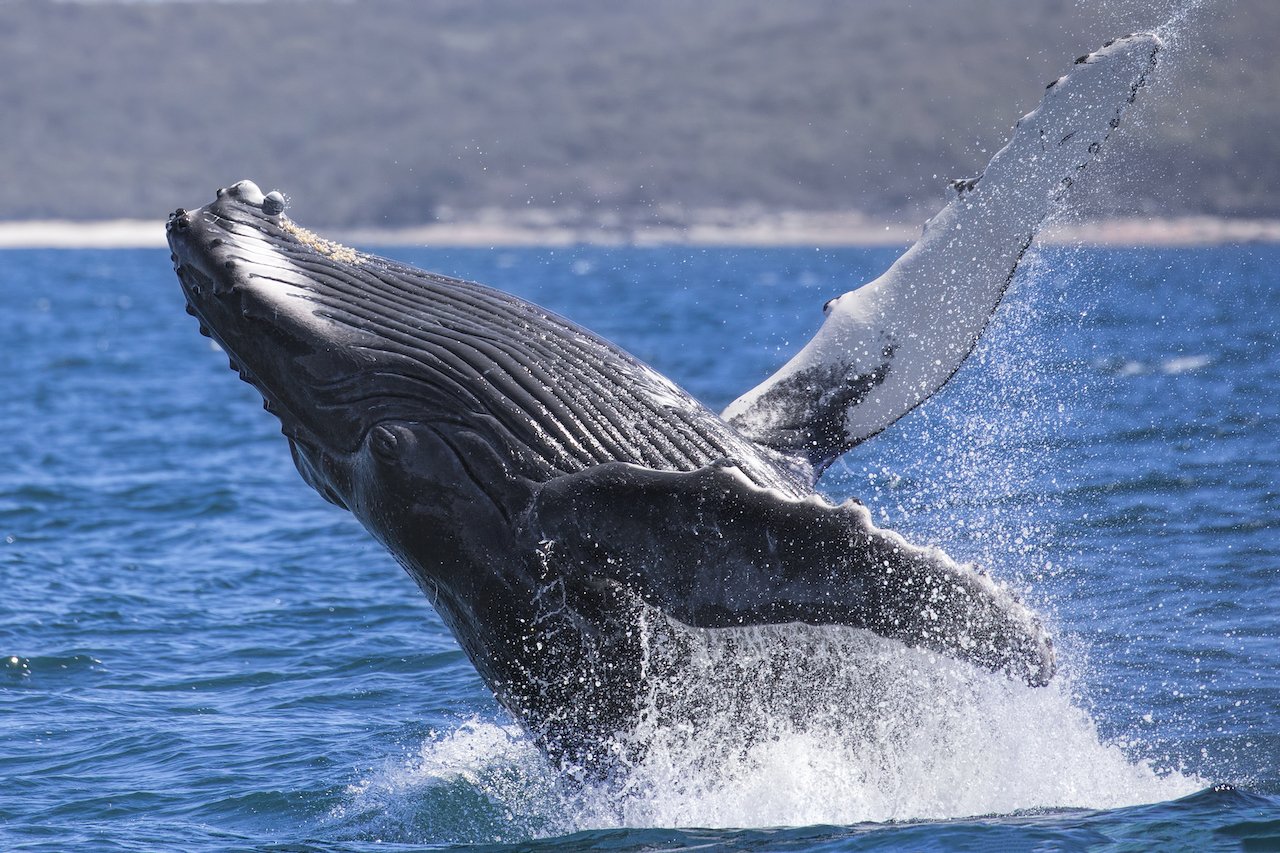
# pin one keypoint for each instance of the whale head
(357, 354)
(328, 365)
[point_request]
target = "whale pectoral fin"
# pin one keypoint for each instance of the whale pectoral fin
(887, 346)
(712, 550)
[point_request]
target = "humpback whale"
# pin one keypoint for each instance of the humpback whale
(545, 489)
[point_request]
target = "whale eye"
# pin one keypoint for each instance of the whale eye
(830, 303)
(385, 441)
(391, 442)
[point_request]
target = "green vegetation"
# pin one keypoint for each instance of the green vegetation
(392, 112)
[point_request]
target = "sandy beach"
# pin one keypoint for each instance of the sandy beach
(713, 228)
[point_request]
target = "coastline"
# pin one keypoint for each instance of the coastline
(716, 228)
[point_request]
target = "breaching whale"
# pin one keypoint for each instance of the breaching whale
(544, 488)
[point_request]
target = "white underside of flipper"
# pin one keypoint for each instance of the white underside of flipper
(890, 344)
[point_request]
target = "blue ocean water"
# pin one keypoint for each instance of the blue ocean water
(198, 653)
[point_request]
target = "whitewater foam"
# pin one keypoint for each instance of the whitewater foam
(786, 725)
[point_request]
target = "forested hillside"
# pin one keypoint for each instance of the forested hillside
(391, 112)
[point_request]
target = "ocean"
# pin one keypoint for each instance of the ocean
(197, 653)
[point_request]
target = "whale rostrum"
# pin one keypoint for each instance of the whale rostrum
(551, 493)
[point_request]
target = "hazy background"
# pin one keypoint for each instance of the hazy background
(395, 112)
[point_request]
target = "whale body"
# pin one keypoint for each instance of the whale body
(545, 489)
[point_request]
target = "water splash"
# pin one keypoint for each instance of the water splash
(774, 726)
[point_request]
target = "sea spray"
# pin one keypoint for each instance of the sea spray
(801, 725)
(779, 725)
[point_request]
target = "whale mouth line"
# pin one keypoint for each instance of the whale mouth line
(194, 281)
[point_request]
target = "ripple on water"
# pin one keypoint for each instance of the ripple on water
(46, 671)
